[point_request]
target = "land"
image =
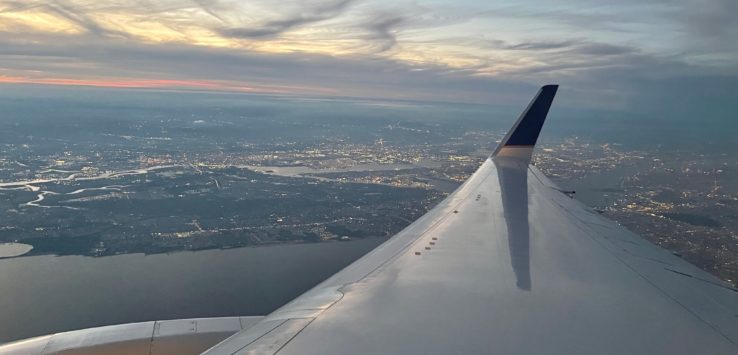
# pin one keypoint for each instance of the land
(150, 183)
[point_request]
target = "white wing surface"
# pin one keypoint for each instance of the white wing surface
(507, 264)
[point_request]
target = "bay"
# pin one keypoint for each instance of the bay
(47, 294)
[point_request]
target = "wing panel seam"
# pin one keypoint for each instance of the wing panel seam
(259, 337)
(581, 225)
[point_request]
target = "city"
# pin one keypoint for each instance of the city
(288, 192)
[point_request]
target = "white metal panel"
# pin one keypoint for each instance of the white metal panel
(181, 336)
(133, 338)
(25, 347)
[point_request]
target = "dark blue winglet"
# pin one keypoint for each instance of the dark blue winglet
(526, 129)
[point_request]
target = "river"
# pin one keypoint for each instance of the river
(47, 294)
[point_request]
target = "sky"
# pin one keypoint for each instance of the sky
(674, 57)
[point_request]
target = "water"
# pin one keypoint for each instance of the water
(47, 294)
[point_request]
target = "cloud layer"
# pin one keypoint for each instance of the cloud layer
(625, 56)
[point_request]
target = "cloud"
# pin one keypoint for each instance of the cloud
(710, 29)
(570, 46)
(275, 28)
(630, 82)
(76, 15)
(381, 30)
(695, 30)
(297, 73)
(211, 7)
(381, 50)
(536, 45)
(16, 6)
(711, 19)
(604, 49)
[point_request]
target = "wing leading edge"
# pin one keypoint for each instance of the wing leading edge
(507, 264)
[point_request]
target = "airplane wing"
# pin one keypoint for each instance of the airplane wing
(507, 264)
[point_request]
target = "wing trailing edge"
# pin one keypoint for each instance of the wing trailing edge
(522, 137)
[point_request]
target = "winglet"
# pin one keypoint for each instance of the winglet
(520, 141)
